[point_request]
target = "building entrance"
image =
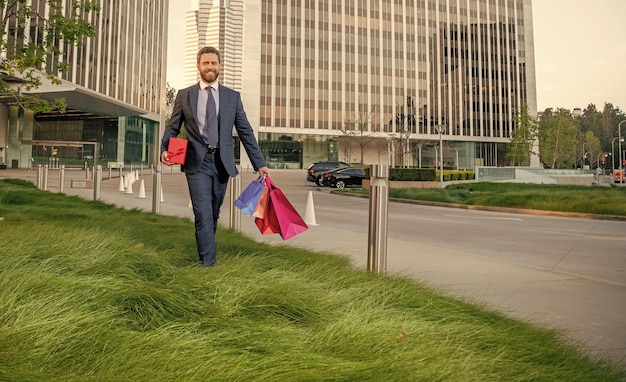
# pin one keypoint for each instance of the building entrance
(66, 153)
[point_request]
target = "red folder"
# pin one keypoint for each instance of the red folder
(177, 150)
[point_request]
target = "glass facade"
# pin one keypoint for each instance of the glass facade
(398, 69)
(120, 80)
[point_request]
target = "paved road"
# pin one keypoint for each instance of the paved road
(564, 273)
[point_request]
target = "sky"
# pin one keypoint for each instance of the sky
(580, 52)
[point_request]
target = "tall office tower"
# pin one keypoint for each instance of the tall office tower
(219, 24)
(114, 88)
(378, 79)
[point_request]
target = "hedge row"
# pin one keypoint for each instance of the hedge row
(458, 175)
(423, 174)
(412, 174)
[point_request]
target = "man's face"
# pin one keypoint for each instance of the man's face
(209, 67)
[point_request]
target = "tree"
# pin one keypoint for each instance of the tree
(170, 97)
(27, 40)
(603, 124)
(593, 150)
(557, 138)
(403, 126)
(523, 138)
(348, 143)
(356, 134)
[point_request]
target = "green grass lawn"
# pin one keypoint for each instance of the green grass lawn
(579, 199)
(90, 292)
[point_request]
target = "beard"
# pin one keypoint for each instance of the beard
(209, 76)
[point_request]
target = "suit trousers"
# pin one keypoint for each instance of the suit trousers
(207, 188)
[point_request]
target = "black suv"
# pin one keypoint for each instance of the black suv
(319, 167)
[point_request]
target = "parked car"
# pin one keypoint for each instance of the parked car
(344, 177)
(319, 176)
(319, 167)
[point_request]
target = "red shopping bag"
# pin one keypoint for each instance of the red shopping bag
(269, 223)
(280, 214)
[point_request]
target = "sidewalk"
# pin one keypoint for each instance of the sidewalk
(517, 291)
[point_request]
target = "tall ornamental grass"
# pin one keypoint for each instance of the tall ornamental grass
(90, 292)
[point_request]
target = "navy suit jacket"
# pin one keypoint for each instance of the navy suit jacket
(231, 113)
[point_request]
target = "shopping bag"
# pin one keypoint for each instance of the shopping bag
(259, 211)
(249, 198)
(290, 223)
(269, 223)
(177, 150)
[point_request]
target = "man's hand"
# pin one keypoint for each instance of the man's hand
(165, 159)
(264, 171)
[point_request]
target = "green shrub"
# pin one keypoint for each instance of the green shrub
(412, 174)
(458, 174)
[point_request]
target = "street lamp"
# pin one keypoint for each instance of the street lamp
(613, 153)
(419, 155)
(391, 152)
(440, 130)
(621, 161)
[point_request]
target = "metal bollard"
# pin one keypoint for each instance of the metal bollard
(62, 179)
(235, 213)
(97, 181)
(156, 190)
(45, 178)
(378, 217)
(39, 176)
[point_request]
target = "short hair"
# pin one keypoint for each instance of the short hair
(209, 49)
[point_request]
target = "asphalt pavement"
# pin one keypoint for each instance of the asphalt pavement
(516, 289)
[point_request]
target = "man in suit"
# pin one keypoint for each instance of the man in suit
(209, 111)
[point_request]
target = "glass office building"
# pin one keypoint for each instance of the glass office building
(375, 79)
(114, 89)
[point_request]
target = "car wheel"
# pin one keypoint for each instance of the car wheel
(340, 184)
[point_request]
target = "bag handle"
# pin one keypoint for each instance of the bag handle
(269, 182)
(261, 179)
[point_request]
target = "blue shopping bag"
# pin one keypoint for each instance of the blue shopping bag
(249, 198)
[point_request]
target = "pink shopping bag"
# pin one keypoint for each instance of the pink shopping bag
(280, 215)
